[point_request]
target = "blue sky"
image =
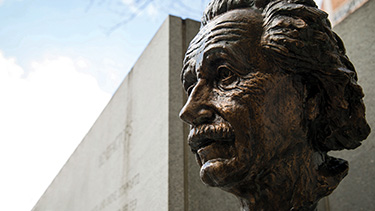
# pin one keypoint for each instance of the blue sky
(60, 62)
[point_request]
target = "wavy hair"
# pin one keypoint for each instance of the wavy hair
(298, 38)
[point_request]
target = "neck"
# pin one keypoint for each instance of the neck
(292, 184)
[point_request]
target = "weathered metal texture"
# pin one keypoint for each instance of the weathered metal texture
(270, 92)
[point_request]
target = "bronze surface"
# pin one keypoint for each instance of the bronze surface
(270, 92)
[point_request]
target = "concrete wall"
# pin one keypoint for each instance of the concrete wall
(357, 190)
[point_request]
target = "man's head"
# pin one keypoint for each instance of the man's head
(268, 82)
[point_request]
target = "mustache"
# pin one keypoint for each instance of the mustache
(201, 134)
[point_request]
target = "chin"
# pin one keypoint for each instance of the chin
(223, 173)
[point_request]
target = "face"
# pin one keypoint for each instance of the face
(242, 110)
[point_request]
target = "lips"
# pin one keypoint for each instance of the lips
(206, 135)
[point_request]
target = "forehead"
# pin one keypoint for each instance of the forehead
(224, 34)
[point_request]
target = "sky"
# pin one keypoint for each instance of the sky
(60, 63)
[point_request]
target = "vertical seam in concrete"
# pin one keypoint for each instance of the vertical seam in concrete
(169, 117)
(186, 164)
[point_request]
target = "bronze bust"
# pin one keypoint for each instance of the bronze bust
(270, 92)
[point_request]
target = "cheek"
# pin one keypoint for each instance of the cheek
(239, 112)
(231, 108)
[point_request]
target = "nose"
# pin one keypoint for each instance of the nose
(195, 116)
(197, 109)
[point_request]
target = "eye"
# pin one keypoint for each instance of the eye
(226, 78)
(224, 73)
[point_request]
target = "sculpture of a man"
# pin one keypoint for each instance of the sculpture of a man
(270, 92)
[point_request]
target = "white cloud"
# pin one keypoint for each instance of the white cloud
(43, 117)
(9, 68)
(82, 64)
